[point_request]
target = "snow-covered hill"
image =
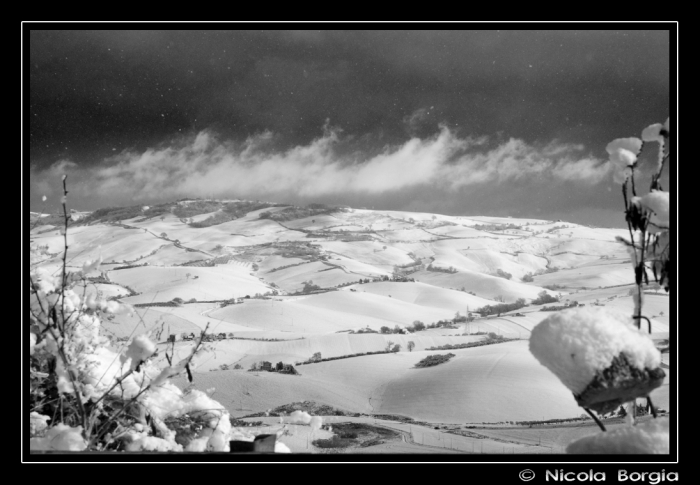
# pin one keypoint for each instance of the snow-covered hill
(303, 278)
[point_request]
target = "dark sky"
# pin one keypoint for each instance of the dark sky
(471, 122)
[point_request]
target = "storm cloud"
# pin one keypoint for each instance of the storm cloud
(341, 116)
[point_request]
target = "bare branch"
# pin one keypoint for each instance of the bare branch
(595, 418)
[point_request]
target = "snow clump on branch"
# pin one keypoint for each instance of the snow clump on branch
(577, 343)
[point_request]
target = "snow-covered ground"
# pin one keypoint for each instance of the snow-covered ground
(500, 382)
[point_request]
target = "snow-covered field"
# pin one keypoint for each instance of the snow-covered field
(491, 383)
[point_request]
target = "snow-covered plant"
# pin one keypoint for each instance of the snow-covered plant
(607, 359)
(86, 393)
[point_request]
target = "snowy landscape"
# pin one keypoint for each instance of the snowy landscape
(349, 242)
(274, 291)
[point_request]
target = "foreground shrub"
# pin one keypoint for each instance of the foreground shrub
(604, 357)
(87, 394)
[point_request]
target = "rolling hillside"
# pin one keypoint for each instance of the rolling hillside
(289, 282)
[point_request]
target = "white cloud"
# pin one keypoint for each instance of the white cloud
(414, 120)
(63, 166)
(205, 166)
(47, 182)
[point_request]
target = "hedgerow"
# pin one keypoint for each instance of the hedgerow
(496, 339)
(433, 360)
(294, 213)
